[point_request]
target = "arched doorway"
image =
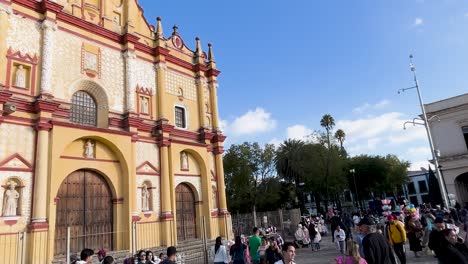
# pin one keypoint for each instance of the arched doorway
(84, 203)
(461, 185)
(186, 214)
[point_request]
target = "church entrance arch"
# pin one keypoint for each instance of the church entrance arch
(185, 213)
(461, 185)
(84, 203)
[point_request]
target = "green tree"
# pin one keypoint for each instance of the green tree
(247, 167)
(328, 122)
(340, 135)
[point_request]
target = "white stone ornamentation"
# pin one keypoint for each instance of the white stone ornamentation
(144, 105)
(20, 77)
(10, 200)
(130, 58)
(48, 28)
(184, 165)
(90, 61)
(145, 198)
(89, 149)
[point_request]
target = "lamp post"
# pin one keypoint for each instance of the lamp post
(355, 188)
(425, 122)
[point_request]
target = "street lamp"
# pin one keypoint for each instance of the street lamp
(355, 188)
(425, 122)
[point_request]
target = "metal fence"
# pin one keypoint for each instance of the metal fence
(12, 248)
(283, 220)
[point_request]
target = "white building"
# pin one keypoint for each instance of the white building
(417, 189)
(450, 136)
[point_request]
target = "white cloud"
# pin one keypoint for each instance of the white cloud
(380, 132)
(367, 106)
(275, 142)
(253, 122)
(298, 132)
(418, 22)
(223, 125)
(417, 165)
(419, 151)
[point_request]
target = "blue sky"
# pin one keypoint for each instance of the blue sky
(287, 63)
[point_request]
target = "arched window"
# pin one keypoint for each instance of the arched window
(83, 109)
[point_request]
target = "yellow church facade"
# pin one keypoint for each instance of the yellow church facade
(109, 131)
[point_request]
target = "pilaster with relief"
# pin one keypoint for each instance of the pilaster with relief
(130, 83)
(48, 29)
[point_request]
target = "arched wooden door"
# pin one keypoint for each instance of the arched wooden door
(85, 205)
(186, 215)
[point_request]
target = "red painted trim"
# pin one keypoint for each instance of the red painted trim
(185, 134)
(38, 226)
(88, 128)
(48, 5)
(218, 138)
(16, 169)
(166, 216)
(29, 4)
(118, 201)
(139, 168)
(33, 184)
(223, 212)
(79, 158)
(42, 105)
(188, 143)
(135, 218)
(89, 38)
(16, 156)
(218, 150)
(188, 175)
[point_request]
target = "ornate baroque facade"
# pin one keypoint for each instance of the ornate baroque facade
(108, 127)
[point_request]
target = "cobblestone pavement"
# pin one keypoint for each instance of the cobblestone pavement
(328, 253)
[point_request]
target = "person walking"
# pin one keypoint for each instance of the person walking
(238, 251)
(171, 256)
(376, 248)
(289, 253)
(86, 256)
(415, 233)
(218, 252)
(436, 237)
(396, 235)
(254, 243)
(453, 250)
(340, 237)
(352, 254)
(273, 252)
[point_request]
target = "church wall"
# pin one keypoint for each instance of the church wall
(19, 28)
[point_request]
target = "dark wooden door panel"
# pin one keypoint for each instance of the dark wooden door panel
(185, 212)
(85, 204)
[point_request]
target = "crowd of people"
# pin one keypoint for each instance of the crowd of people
(142, 257)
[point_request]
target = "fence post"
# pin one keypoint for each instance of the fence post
(134, 238)
(68, 244)
(205, 250)
(23, 257)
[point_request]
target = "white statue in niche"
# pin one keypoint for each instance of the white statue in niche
(89, 149)
(10, 200)
(144, 105)
(184, 161)
(145, 198)
(20, 77)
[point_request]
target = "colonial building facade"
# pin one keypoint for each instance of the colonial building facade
(450, 133)
(108, 128)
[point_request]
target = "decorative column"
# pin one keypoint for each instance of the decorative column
(161, 69)
(213, 86)
(48, 28)
(38, 229)
(163, 132)
(130, 58)
(5, 12)
(201, 86)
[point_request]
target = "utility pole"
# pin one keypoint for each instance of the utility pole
(425, 122)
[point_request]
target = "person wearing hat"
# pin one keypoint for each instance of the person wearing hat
(376, 248)
(171, 256)
(396, 235)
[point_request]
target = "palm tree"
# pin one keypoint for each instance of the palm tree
(287, 159)
(328, 122)
(340, 135)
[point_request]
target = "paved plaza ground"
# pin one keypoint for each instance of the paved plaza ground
(328, 253)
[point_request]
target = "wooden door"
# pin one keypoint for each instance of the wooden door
(185, 204)
(85, 205)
